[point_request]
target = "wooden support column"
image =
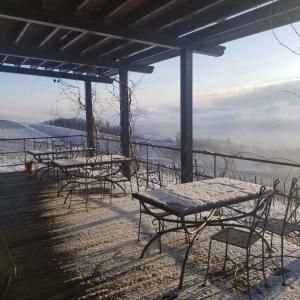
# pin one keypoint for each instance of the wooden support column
(124, 118)
(186, 114)
(89, 114)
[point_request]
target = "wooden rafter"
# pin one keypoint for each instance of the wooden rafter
(48, 37)
(22, 32)
(61, 58)
(72, 41)
(73, 23)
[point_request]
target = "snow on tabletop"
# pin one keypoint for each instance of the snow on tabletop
(188, 196)
(86, 161)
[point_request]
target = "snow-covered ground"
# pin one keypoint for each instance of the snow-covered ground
(19, 131)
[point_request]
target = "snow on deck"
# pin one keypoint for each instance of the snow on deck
(69, 253)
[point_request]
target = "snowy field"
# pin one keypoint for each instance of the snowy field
(19, 131)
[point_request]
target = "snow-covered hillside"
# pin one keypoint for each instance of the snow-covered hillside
(14, 130)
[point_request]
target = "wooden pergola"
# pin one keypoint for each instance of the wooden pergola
(93, 40)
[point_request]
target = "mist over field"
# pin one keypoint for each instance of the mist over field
(263, 115)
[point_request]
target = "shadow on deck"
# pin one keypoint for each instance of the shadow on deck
(69, 253)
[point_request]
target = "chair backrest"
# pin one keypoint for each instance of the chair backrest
(59, 148)
(39, 145)
(100, 165)
(76, 149)
(292, 204)
(150, 176)
(259, 215)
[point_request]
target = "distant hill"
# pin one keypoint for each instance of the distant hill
(14, 130)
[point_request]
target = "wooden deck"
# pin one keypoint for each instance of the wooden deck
(71, 253)
(42, 272)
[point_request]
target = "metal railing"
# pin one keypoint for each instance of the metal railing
(167, 158)
(13, 152)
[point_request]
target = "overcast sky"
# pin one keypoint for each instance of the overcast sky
(250, 95)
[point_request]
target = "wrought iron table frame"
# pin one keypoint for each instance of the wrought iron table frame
(191, 228)
(92, 162)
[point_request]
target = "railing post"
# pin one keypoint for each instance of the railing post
(24, 149)
(147, 166)
(215, 166)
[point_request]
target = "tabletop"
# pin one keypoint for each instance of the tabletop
(89, 161)
(198, 196)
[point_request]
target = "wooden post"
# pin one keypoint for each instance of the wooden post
(186, 114)
(89, 114)
(124, 118)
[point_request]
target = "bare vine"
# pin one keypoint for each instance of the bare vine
(73, 94)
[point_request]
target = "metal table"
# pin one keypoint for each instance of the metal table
(89, 162)
(184, 200)
(46, 156)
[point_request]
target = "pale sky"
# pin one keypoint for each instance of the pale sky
(248, 95)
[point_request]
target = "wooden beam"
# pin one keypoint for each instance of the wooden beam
(156, 54)
(148, 14)
(192, 15)
(109, 8)
(124, 118)
(59, 66)
(88, 61)
(137, 15)
(89, 114)
(203, 18)
(73, 41)
(24, 61)
(93, 46)
(186, 115)
(76, 23)
(248, 23)
(48, 37)
(82, 4)
(53, 74)
(21, 34)
(4, 59)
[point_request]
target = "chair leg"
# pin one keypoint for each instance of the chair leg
(6, 287)
(271, 244)
(140, 222)
(131, 188)
(225, 258)
(110, 193)
(263, 264)
(208, 263)
(282, 262)
(71, 195)
(159, 230)
(248, 275)
(125, 190)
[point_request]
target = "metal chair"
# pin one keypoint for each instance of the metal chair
(246, 237)
(285, 221)
(152, 177)
(84, 180)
